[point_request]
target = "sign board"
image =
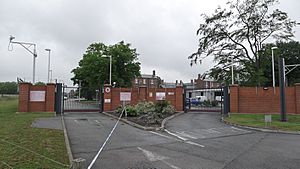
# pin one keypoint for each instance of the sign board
(125, 96)
(170, 93)
(107, 89)
(106, 100)
(160, 95)
(150, 94)
(268, 118)
(37, 96)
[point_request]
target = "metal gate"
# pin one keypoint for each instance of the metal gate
(75, 101)
(204, 100)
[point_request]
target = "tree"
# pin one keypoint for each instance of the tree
(237, 33)
(8, 88)
(93, 69)
(290, 51)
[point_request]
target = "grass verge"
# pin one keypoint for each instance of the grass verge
(257, 120)
(22, 146)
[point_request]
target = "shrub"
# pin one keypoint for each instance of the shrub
(169, 109)
(131, 111)
(160, 105)
(145, 107)
(206, 103)
(214, 103)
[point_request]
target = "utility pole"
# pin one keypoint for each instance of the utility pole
(282, 90)
(48, 50)
(27, 46)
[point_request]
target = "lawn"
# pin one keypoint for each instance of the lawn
(22, 146)
(257, 120)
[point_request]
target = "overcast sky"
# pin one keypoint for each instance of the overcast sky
(162, 31)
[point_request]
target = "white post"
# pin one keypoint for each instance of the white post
(33, 69)
(48, 50)
(110, 70)
(79, 91)
(273, 69)
(232, 78)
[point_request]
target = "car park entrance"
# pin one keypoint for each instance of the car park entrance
(77, 100)
(204, 100)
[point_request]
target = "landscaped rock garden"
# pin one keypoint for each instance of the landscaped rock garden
(147, 114)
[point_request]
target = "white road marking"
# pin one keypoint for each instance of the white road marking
(151, 156)
(212, 131)
(103, 145)
(184, 139)
(173, 134)
(162, 135)
(238, 129)
(196, 144)
(97, 121)
(186, 135)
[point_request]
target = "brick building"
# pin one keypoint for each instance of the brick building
(202, 82)
(147, 80)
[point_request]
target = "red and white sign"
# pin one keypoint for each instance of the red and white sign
(107, 89)
(125, 96)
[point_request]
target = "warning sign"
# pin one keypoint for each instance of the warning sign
(37, 96)
(125, 96)
(160, 95)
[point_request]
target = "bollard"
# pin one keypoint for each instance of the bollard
(78, 163)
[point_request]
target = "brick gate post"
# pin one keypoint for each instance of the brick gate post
(297, 94)
(107, 98)
(234, 98)
(24, 90)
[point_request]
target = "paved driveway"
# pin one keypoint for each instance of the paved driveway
(192, 141)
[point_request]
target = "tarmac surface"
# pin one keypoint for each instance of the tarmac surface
(191, 141)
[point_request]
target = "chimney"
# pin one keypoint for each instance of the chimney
(153, 74)
(176, 82)
(199, 76)
(192, 81)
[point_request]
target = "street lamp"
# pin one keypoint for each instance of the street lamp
(50, 75)
(273, 71)
(104, 56)
(27, 46)
(48, 50)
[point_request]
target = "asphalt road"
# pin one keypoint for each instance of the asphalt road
(192, 141)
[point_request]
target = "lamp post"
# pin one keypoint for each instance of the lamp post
(273, 71)
(104, 56)
(27, 46)
(50, 75)
(232, 77)
(48, 50)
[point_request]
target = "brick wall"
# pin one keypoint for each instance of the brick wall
(45, 102)
(112, 96)
(263, 99)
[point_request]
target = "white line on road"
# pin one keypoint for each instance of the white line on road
(184, 139)
(173, 134)
(184, 134)
(97, 121)
(196, 144)
(162, 135)
(238, 129)
(103, 145)
(151, 156)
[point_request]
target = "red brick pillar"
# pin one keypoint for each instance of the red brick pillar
(234, 98)
(50, 97)
(107, 98)
(24, 90)
(179, 98)
(297, 94)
